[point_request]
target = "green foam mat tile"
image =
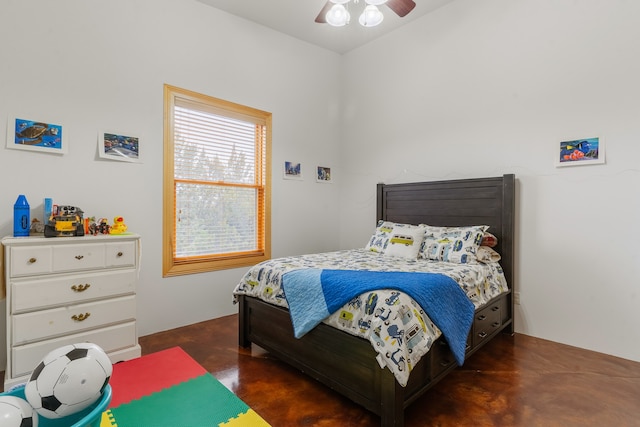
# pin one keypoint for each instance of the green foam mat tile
(199, 402)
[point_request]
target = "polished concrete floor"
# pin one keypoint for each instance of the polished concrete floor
(513, 381)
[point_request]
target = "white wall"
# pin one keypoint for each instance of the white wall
(474, 89)
(94, 65)
(485, 88)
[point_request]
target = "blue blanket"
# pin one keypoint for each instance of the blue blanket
(314, 294)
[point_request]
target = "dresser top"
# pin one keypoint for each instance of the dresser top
(31, 240)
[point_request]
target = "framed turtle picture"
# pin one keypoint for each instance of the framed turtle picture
(29, 133)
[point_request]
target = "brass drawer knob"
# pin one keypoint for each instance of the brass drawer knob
(32, 260)
(80, 288)
(79, 257)
(80, 317)
(120, 254)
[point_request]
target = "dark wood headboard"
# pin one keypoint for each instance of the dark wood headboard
(481, 201)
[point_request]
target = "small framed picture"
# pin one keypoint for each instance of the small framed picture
(293, 170)
(31, 133)
(580, 152)
(323, 174)
(115, 146)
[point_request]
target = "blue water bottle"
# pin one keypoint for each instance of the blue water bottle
(21, 217)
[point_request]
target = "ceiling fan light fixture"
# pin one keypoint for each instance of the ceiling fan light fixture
(371, 16)
(338, 16)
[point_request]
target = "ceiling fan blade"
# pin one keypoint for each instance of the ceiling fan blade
(401, 7)
(320, 18)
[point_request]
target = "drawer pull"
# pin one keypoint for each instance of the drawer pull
(445, 363)
(120, 254)
(32, 260)
(496, 308)
(80, 288)
(495, 324)
(482, 334)
(482, 317)
(80, 317)
(79, 257)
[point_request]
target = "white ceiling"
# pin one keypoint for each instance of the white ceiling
(296, 18)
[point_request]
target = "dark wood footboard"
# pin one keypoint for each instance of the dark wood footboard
(348, 365)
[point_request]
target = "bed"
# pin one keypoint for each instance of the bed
(350, 364)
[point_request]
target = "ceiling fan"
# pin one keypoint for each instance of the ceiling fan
(335, 13)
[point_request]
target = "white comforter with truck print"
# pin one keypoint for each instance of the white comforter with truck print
(393, 322)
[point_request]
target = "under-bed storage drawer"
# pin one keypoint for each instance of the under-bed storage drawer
(441, 357)
(487, 321)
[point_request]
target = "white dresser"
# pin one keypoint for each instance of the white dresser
(65, 290)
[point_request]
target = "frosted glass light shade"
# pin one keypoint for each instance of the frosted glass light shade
(342, 1)
(370, 17)
(338, 16)
(375, 2)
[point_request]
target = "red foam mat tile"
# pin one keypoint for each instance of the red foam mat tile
(151, 373)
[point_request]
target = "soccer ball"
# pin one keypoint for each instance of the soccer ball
(16, 412)
(68, 380)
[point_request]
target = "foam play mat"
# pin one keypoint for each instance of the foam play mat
(171, 389)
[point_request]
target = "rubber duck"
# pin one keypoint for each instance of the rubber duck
(119, 226)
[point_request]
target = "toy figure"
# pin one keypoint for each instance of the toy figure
(101, 227)
(36, 226)
(65, 221)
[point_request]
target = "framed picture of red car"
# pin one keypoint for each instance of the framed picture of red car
(118, 146)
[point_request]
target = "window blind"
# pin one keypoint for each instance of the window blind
(219, 178)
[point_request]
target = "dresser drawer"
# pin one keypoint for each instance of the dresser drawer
(78, 257)
(112, 338)
(29, 327)
(31, 260)
(28, 295)
(121, 254)
(486, 322)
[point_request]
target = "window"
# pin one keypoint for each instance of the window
(217, 198)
